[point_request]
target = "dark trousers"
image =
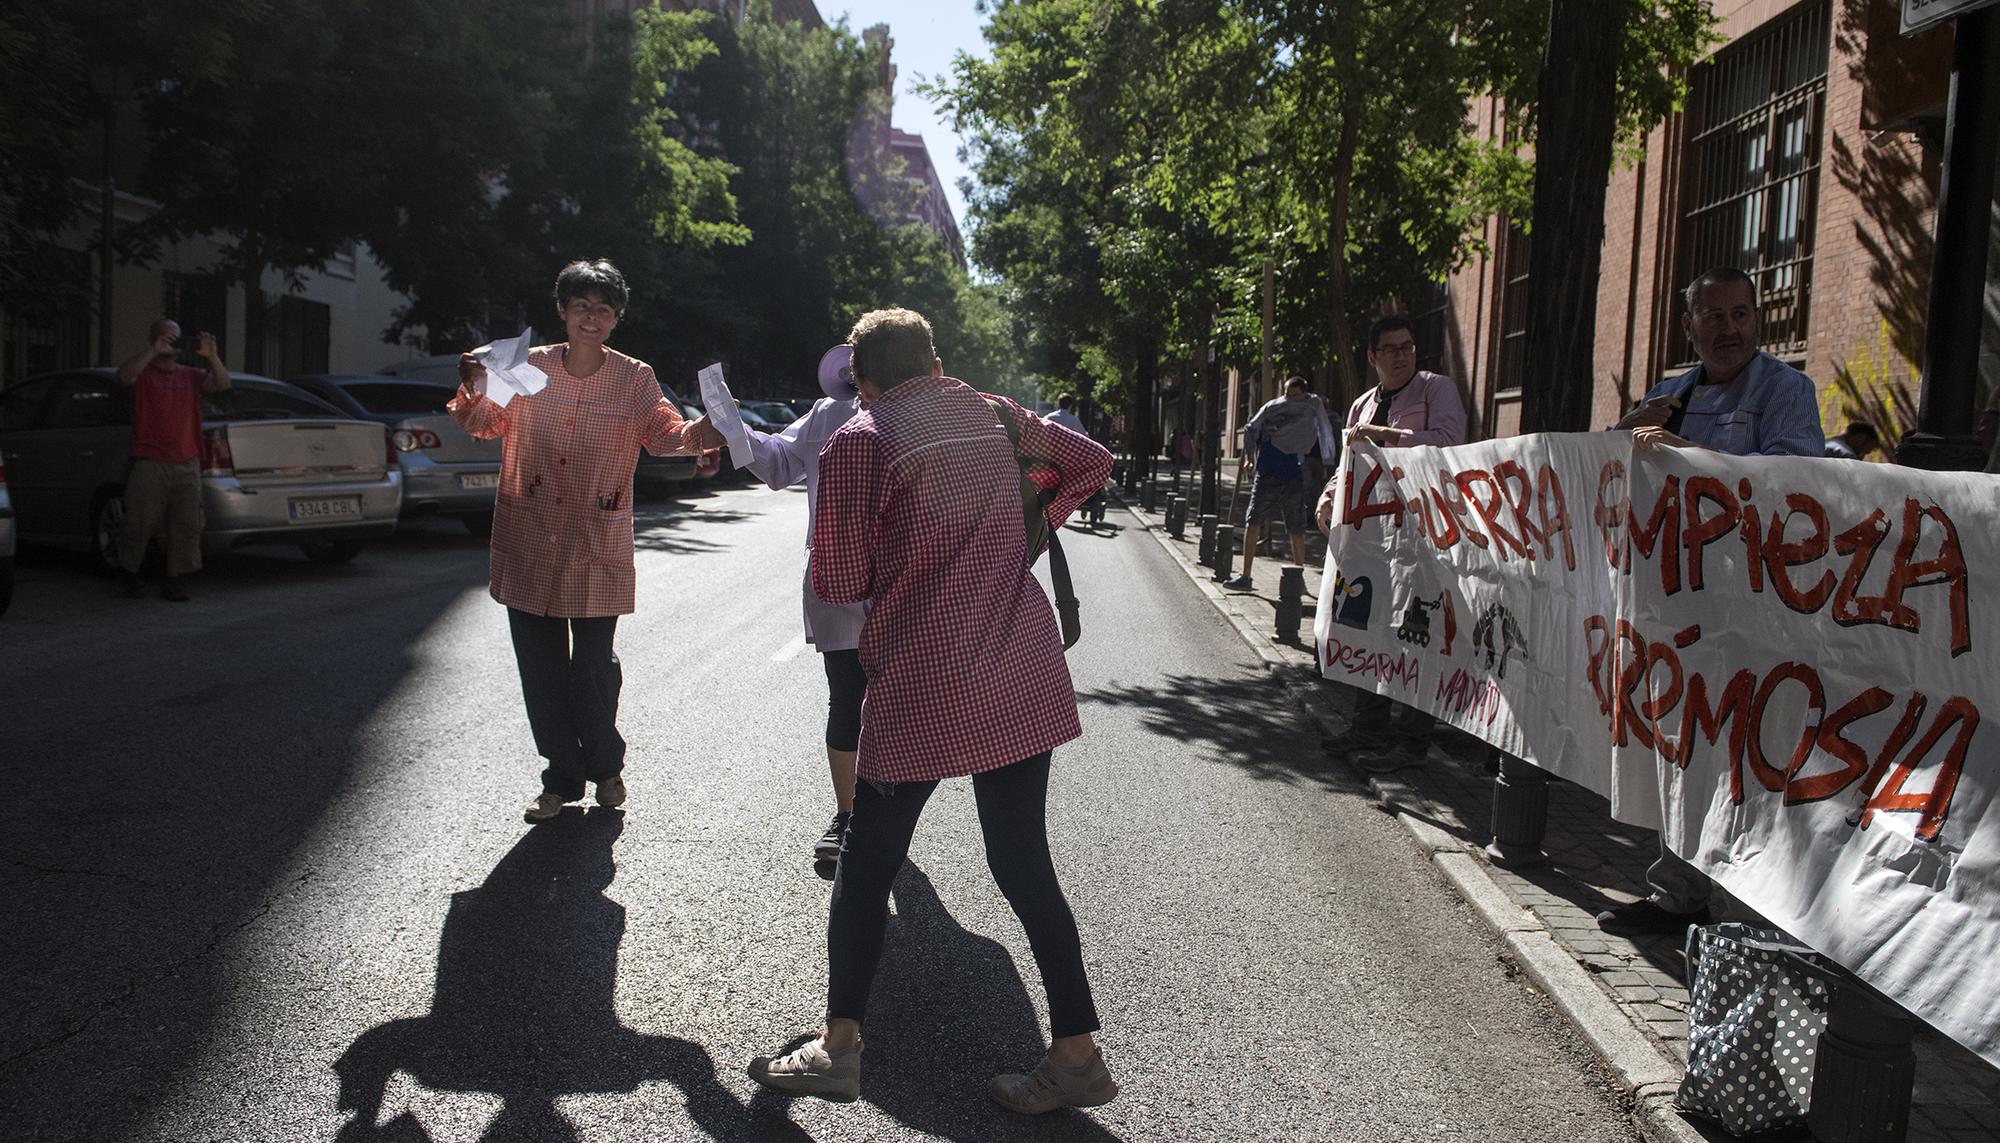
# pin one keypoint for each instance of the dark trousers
(1013, 803)
(570, 679)
(1374, 715)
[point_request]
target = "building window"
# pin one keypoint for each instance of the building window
(301, 341)
(1428, 324)
(1755, 114)
(1513, 365)
(198, 303)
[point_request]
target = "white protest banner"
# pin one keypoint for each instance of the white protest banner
(1781, 661)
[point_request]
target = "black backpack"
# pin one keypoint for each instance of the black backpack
(1035, 523)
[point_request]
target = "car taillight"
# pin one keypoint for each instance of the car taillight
(410, 440)
(216, 459)
(389, 448)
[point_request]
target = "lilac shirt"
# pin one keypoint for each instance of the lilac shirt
(1428, 405)
(782, 460)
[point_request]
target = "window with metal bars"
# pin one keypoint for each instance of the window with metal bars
(1513, 366)
(1428, 319)
(1755, 117)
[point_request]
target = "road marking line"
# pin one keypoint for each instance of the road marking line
(789, 651)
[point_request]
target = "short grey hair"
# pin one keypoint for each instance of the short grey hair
(1720, 276)
(891, 346)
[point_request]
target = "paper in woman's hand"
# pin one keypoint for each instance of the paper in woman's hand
(720, 406)
(508, 374)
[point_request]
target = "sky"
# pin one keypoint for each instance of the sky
(928, 33)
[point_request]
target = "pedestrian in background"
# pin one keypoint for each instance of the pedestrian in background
(163, 488)
(781, 460)
(920, 513)
(1407, 407)
(562, 526)
(1280, 436)
(1855, 443)
(1738, 400)
(1065, 414)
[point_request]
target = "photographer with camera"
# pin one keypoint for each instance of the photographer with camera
(164, 486)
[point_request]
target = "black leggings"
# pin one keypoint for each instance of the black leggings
(1013, 804)
(846, 682)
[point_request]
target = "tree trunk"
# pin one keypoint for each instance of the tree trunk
(1577, 123)
(1347, 379)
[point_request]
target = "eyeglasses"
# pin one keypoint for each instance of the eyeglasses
(1397, 350)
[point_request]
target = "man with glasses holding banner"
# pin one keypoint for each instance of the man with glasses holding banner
(1407, 407)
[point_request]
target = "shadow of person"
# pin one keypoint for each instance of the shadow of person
(950, 1011)
(524, 1006)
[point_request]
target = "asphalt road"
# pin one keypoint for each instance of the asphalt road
(268, 879)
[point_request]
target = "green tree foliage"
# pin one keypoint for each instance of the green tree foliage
(1138, 160)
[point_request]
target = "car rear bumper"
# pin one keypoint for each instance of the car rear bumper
(235, 516)
(664, 469)
(437, 488)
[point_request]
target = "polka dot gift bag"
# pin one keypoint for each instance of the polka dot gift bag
(1755, 1011)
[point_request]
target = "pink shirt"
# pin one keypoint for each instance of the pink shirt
(920, 513)
(562, 525)
(166, 413)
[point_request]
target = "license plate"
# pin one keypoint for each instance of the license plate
(479, 480)
(327, 508)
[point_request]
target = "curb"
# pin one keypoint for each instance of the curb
(1648, 1075)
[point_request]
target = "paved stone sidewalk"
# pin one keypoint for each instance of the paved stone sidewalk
(1594, 863)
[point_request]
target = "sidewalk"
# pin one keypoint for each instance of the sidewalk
(1628, 996)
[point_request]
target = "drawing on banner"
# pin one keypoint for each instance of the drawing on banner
(1416, 625)
(1499, 636)
(1357, 601)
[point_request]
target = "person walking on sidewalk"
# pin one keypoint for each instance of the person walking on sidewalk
(562, 526)
(1857, 442)
(1282, 433)
(163, 488)
(1407, 407)
(1738, 400)
(920, 512)
(781, 460)
(1065, 415)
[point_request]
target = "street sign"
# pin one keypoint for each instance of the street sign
(1920, 14)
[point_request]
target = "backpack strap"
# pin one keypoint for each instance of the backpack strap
(1036, 529)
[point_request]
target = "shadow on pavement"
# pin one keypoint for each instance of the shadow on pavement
(949, 1012)
(1245, 721)
(525, 1008)
(677, 528)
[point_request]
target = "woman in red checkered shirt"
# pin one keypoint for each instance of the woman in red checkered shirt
(562, 526)
(920, 513)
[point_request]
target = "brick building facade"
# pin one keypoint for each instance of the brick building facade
(1807, 155)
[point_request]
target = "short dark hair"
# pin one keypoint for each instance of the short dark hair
(891, 346)
(1720, 276)
(1299, 381)
(1066, 401)
(1864, 429)
(592, 276)
(158, 329)
(1388, 324)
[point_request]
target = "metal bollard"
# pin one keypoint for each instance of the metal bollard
(1865, 1070)
(1206, 552)
(1291, 602)
(1520, 815)
(1177, 517)
(1225, 550)
(1147, 492)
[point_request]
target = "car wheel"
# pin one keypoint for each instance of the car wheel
(331, 551)
(107, 529)
(480, 525)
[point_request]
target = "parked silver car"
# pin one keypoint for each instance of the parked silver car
(446, 470)
(278, 466)
(6, 540)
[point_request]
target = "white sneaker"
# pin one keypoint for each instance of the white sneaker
(1052, 1086)
(812, 1070)
(544, 807)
